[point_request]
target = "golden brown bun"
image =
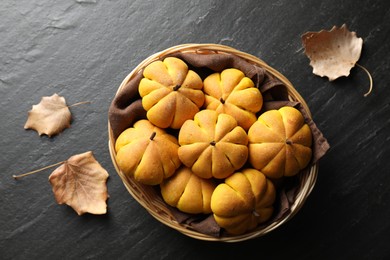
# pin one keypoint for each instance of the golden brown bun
(243, 201)
(148, 161)
(232, 93)
(187, 192)
(171, 93)
(213, 145)
(280, 143)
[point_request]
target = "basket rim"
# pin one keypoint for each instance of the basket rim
(167, 218)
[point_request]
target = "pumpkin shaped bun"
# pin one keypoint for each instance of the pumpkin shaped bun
(233, 93)
(188, 192)
(171, 93)
(147, 153)
(280, 143)
(243, 201)
(213, 145)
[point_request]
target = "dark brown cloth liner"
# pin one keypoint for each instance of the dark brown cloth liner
(126, 108)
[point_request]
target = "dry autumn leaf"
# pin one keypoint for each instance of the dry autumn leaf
(79, 182)
(333, 53)
(51, 116)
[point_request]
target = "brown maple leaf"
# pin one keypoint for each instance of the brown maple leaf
(80, 182)
(50, 116)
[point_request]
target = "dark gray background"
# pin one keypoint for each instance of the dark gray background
(83, 49)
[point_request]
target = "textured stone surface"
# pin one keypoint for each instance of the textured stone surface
(83, 49)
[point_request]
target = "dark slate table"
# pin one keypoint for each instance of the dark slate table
(83, 49)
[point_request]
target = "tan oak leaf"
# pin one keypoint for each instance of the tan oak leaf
(50, 116)
(80, 182)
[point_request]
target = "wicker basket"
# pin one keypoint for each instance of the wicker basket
(151, 200)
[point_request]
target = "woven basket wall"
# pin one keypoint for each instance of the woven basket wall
(152, 201)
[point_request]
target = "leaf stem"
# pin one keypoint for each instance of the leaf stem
(80, 103)
(369, 77)
(38, 170)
